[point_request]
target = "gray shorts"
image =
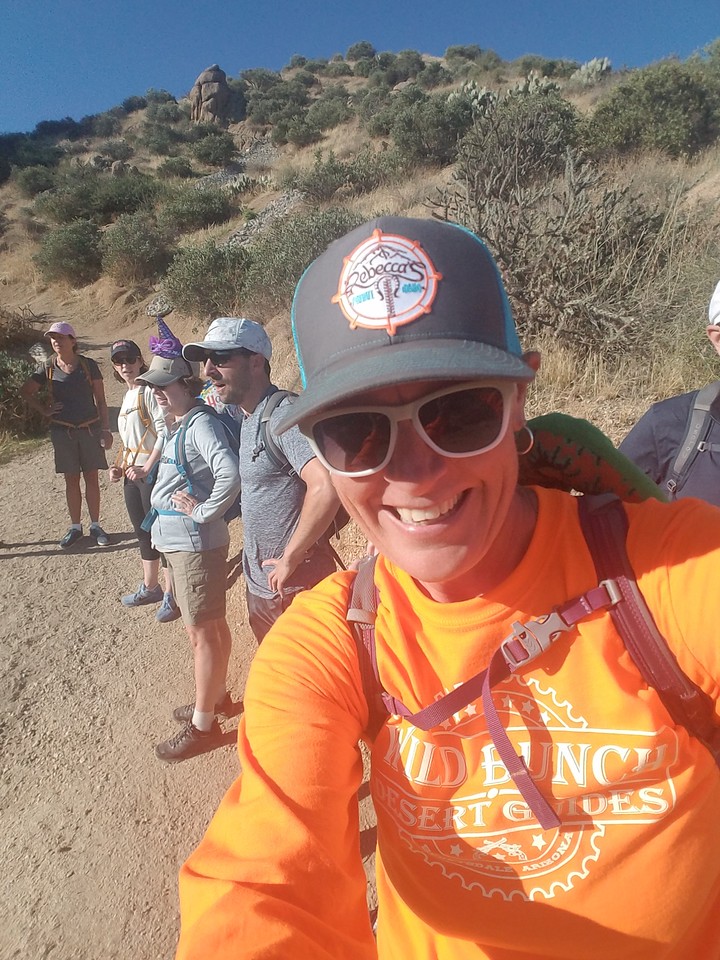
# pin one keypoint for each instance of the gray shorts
(199, 583)
(77, 449)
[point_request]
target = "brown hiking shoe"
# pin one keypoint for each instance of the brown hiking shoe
(189, 742)
(222, 709)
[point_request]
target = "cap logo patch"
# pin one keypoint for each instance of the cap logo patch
(386, 282)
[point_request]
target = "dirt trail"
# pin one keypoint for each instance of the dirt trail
(95, 827)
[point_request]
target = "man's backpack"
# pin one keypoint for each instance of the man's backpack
(276, 455)
(694, 441)
(235, 509)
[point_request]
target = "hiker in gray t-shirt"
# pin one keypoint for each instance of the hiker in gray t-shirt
(285, 513)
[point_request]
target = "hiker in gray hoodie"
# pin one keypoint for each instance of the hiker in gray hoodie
(197, 481)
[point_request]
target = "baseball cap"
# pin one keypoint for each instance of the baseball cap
(165, 370)
(714, 308)
(230, 333)
(398, 300)
(61, 327)
(125, 346)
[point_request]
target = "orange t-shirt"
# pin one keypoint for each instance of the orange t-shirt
(464, 870)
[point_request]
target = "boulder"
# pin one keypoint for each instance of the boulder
(210, 97)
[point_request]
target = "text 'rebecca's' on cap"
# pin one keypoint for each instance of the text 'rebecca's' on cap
(399, 300)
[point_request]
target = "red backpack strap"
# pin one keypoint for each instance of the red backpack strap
(604, 525)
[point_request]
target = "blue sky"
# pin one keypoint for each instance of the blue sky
(76, 57)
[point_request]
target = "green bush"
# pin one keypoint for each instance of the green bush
(131, 104)
(325, 114)
(71, 253)
(158, 96)
(281, 255)
(16, 417)
(434, 75)
(118, 149)
(207, 281)
(167, 111)
(338, 69)
(362, 50)
(296, 61)
(216, 150)
(91, 195)
(106, 125)
(666, 107)
(192, 209)
(135, 248)
(425, 129)
(175, 167)
(33, 180)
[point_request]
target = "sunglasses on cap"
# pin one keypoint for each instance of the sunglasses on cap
(456, 421)
(221, 358)
(120, 358)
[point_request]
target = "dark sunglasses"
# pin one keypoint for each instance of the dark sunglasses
(120, 358)
(455, 422)
(221, 358)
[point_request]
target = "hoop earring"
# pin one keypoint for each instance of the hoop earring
(530, 440)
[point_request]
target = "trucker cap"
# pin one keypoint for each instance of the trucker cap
(230, 333)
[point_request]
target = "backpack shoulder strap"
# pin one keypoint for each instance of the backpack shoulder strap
(362, 608)
(696, 431)
(143, 411)
(272, 448)
(604, 525)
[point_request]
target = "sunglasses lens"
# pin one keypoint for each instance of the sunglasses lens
(464, 422)
(353, 442)
(123, 358)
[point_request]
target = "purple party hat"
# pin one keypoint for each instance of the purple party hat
(167, 344)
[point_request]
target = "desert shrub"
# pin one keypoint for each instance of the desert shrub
(71, 253)
(16, 417)
(158, 96)
(207, 280)
(665, 107)
(135, 248)
(574, 249)
(237, 104)
(296, 130)
(364, 67)
(338, 68)
(106, 125)
(216, 150)
(306, 78)
(281, 255)
(191, 209)
(296, 61)
(160, 139)
(282, 101)
(322, 181)
(317, 66)
(361, 50)
(117, 149)
(434, 75)
(90, 195)
(134, 103)
(408, 65)
(469, 51)
(33, 180)
(425, 129)
(328, 113)
(175, 167)
(167, 111)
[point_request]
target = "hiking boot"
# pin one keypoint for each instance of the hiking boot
(184, 714)
(189, 742)
(71, 537)
(142, 596)
(99, 535)
(169, 610)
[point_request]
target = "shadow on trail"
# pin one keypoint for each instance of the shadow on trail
(86, 545)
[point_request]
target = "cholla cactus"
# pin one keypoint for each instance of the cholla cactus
(592, 72)
(482, 101)
(533, 83)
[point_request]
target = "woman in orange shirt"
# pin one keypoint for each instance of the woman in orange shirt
(562, 814)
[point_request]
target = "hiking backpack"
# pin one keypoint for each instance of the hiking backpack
(235, 508)
(276, 455)
(697, 430)
(604, 526)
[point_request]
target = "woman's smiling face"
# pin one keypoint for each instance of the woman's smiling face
(442, 519)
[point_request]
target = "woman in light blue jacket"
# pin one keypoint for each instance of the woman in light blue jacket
(197, 481)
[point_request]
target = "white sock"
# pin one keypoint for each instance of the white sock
(202, 721)
(94, 523)
(76, 526)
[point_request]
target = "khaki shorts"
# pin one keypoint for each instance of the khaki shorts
(77, 449)
(199, 584)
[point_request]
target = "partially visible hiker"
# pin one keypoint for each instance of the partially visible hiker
(677, 441)
(536, 795)
(68, 390)
(286, 507)
(197, 480)
(141, 425)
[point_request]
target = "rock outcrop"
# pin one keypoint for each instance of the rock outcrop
(210, 97)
